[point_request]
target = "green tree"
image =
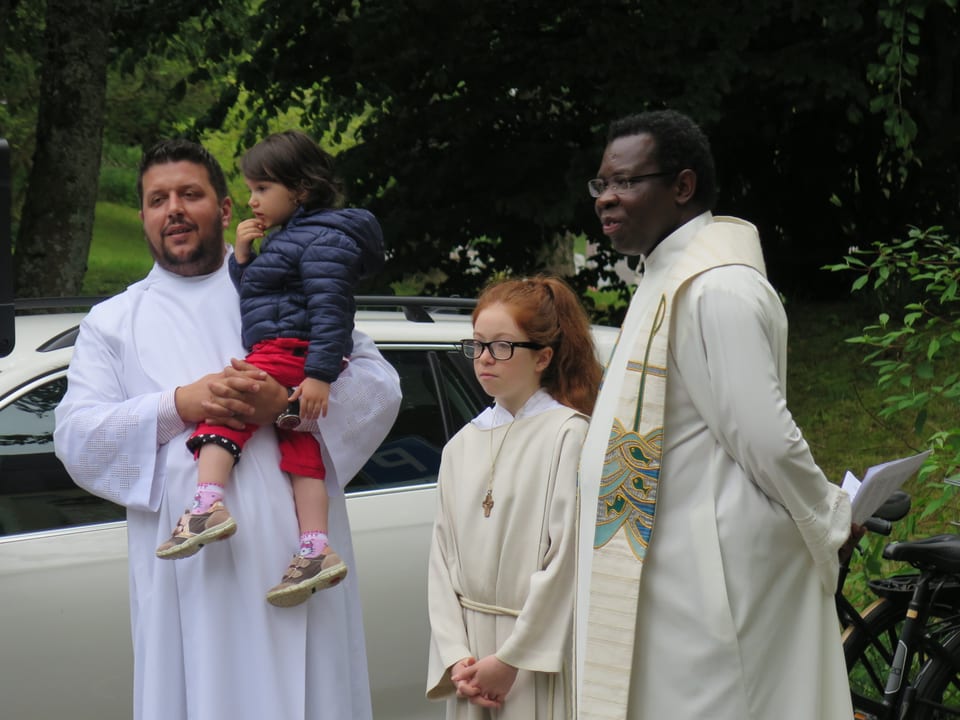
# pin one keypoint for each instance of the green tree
(57, 217)
(484, 119)
(81, 40)
(913, 347)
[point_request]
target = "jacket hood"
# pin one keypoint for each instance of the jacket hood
(359, 224)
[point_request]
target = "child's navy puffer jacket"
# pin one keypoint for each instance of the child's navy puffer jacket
(302, 283)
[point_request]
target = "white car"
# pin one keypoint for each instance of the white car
(65, 647)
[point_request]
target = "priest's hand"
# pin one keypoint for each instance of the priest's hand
(846, 550)
(192, 400)
(243, 393)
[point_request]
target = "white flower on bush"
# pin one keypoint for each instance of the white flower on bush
(476, 261)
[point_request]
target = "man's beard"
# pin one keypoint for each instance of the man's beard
(204, 259)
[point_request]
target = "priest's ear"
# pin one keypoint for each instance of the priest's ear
(684, 187)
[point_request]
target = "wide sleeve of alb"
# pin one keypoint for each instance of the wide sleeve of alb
(106, 441)
(364, 402)
(729, 345)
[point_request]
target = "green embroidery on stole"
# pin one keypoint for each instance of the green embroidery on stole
(631, 470)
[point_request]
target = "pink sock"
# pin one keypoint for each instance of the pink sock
(312, 544)
(207, 495)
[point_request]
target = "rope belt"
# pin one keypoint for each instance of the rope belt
(486, 609)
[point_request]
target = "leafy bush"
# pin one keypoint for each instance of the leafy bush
(915, 355)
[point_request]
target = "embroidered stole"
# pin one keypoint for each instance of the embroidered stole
(626, 504)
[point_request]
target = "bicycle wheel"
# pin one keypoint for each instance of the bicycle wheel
(938, 685)
(868, 648)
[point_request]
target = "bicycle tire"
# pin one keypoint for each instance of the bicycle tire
(868, 649)
(938, 686)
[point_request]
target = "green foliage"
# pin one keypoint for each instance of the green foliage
(153, 101)
(118, 185)
(21, 32)
(483, 119)
(896, 69)
(914, 354)
(118, 174)
(839, 407)
(168, 70)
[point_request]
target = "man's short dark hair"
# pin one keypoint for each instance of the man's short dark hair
(679, 144)
(178, 150)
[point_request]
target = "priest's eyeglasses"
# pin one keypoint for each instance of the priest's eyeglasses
(598, 186)
(498, 349)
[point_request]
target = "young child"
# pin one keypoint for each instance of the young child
(297, 308)
(501, 581)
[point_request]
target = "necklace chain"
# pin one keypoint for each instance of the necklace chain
(487, 503)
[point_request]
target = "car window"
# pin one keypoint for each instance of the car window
(36, 493)
(440, 396)
(465, 397)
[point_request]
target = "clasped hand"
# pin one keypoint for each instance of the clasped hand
(483, 682)
(239, 394)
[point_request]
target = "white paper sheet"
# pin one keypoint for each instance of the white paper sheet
(878, 483)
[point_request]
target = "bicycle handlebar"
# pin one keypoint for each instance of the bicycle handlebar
(878, 525)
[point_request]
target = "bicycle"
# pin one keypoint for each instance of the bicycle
(903, 651)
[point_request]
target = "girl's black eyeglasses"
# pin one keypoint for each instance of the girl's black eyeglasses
(498, 349)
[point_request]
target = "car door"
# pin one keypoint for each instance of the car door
(65, 648)
(391, 507)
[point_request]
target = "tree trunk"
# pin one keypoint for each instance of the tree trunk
(57, 220)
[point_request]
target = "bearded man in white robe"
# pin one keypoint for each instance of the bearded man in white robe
(146, 368)
(708, 535)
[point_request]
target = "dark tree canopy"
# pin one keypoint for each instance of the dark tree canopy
(486, 118)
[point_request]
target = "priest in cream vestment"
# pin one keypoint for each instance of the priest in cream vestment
(708, 538)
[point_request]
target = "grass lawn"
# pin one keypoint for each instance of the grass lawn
(118, 254)
(834, 398)
(832, 394)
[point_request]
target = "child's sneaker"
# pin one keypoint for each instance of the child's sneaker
(305, 576)
(194, 531)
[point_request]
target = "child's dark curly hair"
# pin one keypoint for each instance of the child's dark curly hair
(294, 160)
